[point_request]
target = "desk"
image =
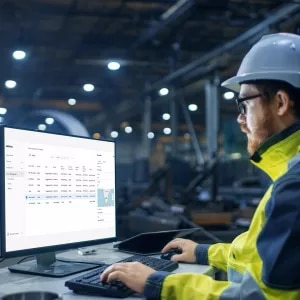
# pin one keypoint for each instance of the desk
(14, 282)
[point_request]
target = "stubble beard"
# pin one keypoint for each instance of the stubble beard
(260, 134)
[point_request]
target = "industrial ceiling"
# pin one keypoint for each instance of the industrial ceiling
(158, 43)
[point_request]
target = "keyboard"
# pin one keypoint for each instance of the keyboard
(90, 283)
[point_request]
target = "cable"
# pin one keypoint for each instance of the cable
(165, 208)
(25, 258)
(100, 264)
(204, 231)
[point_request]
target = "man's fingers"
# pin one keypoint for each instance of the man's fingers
(176, 257)
(113, 268)
(104, 274)
(116, 275)
(173, 244)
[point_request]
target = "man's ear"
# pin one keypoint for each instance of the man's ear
(283, 102)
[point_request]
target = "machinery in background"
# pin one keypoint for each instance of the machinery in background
(208, 198)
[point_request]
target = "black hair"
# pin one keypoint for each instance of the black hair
(269, 88)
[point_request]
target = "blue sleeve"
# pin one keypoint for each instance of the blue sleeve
(201, 253)
(154, 284)
(279, 241)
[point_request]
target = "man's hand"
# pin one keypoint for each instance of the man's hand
(186, 246)
(132, 274)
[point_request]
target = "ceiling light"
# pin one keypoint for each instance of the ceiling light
(150, 135)
(163, 92)
(42, 127)
(49, 121)
(114, 134)
(228, 95)
(3, 110)
(19, 54)
(167, 130)
(166, 116)
(128, 129)
(88, 87)
(10, 84)
(72, 101)
(113, 65)
(193, 107)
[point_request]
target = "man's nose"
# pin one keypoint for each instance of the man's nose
(241, 119)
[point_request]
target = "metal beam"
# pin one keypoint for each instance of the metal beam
(170, 17)
(60, 8)
(255, 31)
(212, 117)
(146, 127)
(189, 123)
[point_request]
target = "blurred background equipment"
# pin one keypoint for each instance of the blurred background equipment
(146, 74)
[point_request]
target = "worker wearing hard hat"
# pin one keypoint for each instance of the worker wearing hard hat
(264, 262)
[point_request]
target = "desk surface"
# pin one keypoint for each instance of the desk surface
(13, 282)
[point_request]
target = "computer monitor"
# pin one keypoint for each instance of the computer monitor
(57, 192)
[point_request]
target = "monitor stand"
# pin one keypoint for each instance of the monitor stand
(47, 265)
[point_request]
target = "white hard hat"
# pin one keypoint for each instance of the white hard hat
(273, 57)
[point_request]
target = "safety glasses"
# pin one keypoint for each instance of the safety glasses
(242, 106)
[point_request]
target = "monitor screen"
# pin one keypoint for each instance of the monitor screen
(57, 192)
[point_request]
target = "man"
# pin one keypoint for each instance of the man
(264, 262)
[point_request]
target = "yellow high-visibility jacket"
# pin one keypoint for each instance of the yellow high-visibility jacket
(264, 262)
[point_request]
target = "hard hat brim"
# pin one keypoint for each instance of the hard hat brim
(234, 82)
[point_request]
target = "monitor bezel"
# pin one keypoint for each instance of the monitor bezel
(52, 248)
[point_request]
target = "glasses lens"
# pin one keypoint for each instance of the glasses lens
(242, 108)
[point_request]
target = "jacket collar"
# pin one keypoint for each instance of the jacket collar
(274, 154)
